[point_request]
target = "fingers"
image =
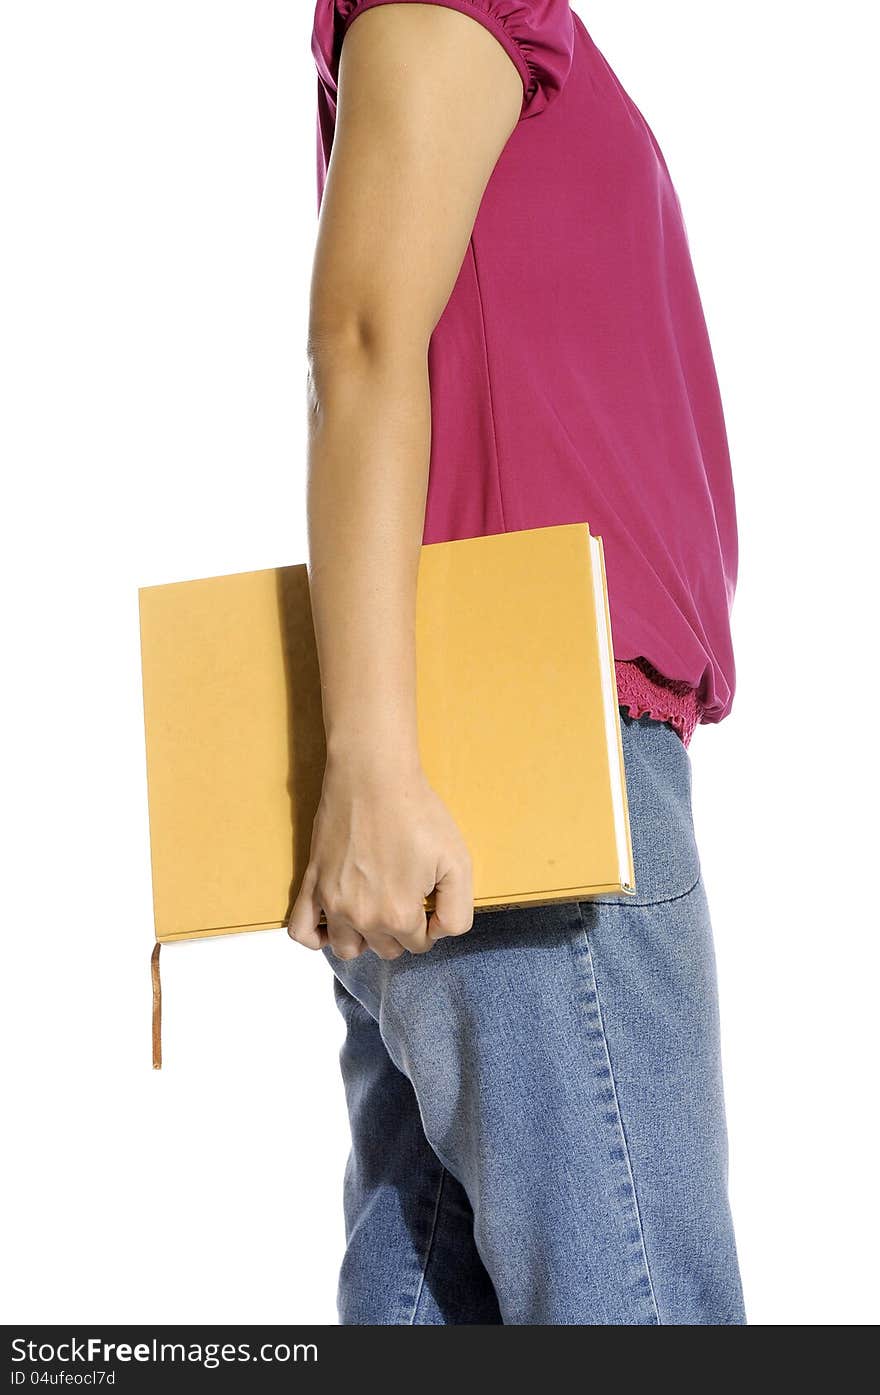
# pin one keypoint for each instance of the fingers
(390, 930)
(344, 940)
(453, 912)
(340, 934)
(385, 946)
(303, 923)
(409, 929)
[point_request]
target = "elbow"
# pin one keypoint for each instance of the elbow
(341, 362)
(347, 337)
(356, 341)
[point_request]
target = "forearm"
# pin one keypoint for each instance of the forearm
(368, 455)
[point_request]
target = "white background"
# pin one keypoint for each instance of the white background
(158, 176)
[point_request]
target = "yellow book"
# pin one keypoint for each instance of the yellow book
(519, 731)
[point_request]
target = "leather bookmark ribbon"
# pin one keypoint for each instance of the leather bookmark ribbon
(157, 1007)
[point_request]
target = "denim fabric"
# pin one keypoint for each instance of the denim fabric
(536, 1107)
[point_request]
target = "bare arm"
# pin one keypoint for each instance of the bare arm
(427, 100)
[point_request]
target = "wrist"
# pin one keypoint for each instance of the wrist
(373, 755)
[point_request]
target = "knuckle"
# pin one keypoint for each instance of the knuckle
(347, 951)
(331, 903)
(392, 919)
(371, 917)
(461, 929)
(388, 951)
(456, 927)
(371, 925)
(402, 924)
(344, 907)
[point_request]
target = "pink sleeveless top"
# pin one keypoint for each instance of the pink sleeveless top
(571, 373)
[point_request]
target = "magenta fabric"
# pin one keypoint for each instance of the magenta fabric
(647, 693)
(571, 372)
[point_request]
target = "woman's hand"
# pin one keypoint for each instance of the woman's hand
(382, 841)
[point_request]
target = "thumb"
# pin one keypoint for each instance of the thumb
(453, 912)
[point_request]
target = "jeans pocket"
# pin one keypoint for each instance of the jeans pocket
(658, 780)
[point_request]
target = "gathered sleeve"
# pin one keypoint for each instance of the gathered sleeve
(537, 35)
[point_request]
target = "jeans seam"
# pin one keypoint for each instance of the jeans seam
(619, 1114)
(429, 1247)
(632, 905)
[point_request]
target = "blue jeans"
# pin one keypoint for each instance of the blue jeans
(536, 1107)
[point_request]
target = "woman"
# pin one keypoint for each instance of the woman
(505, 333)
